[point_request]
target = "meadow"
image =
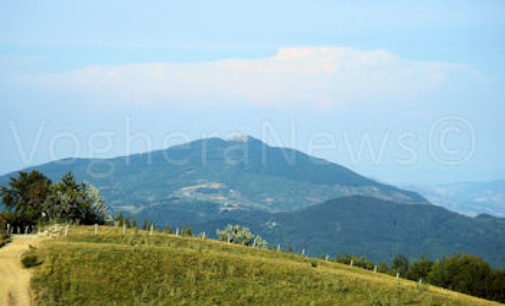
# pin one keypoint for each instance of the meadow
(163, 269)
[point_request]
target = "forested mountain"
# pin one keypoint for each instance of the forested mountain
(236, 174)
(364, 226)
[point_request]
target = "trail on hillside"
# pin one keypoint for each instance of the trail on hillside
(14, 279)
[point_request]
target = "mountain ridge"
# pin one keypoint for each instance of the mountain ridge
(244, 173)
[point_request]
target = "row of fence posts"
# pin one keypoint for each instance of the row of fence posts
(10, 230)
(18, 230)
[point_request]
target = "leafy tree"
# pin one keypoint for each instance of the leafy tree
(420, 268)
(462, 273)
(400, 264)
(66, 201)
(97, 212)
(495, 286)
(240, 235)
(25, 195)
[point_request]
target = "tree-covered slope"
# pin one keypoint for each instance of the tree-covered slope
(363, 226)
(244, 173)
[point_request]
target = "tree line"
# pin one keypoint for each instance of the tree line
(32, 199)
(460, 272)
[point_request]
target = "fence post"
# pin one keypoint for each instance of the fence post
(375, 269)
(151, 230)
(278, 247)
(124, 229)
(352, 262)
(96, 229)
(229, 238)
(327, 257)
(303, 252)
(203, 236)
(66, 230)
(177, 231)
(397, 275)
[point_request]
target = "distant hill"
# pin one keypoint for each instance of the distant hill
(359, 225)
(469, 198)
(236, 174)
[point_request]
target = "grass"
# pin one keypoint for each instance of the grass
(134, 269)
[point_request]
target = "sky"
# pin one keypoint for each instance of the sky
(403, 92)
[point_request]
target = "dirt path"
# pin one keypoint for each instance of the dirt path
(14, 279)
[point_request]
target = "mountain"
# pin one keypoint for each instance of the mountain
(235, 174)
(469, 198)
(359, 225)
(286, 196)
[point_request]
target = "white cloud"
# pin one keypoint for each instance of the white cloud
(294, 77)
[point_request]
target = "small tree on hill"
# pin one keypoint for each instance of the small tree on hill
(240, 235)
(400, 264)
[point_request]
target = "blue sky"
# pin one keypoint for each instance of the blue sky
(423, 83)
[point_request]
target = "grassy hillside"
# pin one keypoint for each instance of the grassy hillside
(164, 269)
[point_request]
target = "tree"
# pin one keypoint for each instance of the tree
(461, 272)
(97, 212)
(240, 235)
(67, 201)
(400, 264)
(127, 222)
(25, 195)
(420, 268)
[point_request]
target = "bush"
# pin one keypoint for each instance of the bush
(240, 235)
(30, 259)
(186, 231)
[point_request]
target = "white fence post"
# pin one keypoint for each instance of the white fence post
(327, 257)
(397, 275)
(278, 247)
(229, 238)
(303, 252)
(375, 269)
(151, 230)
(96, 229)
(352, 262)
(66, 230)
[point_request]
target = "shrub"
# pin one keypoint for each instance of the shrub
(30, 259)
